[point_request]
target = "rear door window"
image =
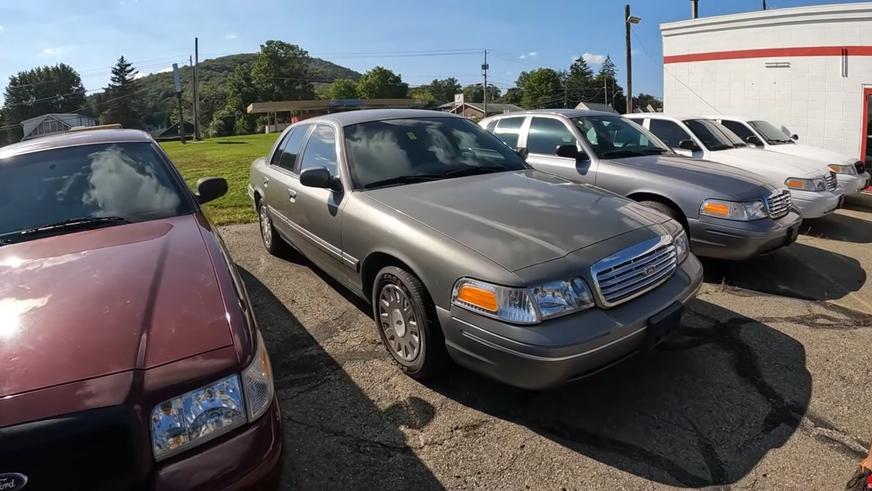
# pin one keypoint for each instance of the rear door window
(546, 134)
(669, 132)
(508, 130)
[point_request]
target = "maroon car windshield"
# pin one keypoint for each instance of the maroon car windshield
(90, 184)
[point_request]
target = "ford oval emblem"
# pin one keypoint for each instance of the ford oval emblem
(12, 481)
(649, 270)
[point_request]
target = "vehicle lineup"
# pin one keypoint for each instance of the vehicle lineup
(468, 254)
(729, 213)
(812, 184)
(851, 173)
(129, 353)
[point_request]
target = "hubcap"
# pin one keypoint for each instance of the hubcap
(265, 227)
(399, 323)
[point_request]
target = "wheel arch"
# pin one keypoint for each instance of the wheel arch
(651, 196)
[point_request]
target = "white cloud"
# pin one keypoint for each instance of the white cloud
(593, 59)
(140, 75)
(531, 54)
(231, 36)
(1, 28)
(166, 70)
(52, 51)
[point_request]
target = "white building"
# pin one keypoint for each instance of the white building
(807, 69)
(48, 124)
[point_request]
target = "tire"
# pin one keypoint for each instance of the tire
(272, 241)
(666, 210)
(406, 322)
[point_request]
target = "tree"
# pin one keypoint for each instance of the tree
(579, 83)
(422, 93)
(513, 96)
(342, 88)
(119, 104)
(381, 83)
(642, 101)
(42, 90)
(607, 79)
(281, 72)
(475, 93)
(542, 88)
(443, 90)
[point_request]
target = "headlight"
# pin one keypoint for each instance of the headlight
(682, 247)
(733, 210)
(816, 184)
(522, 305)
(214, 409)
(197, 417)
(848, 169)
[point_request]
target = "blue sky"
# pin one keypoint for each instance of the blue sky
(519, 34)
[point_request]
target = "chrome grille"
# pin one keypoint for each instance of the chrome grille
(633, 271)
(830, 179)
(778, 204)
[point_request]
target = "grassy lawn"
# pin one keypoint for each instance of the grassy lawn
(229, 158)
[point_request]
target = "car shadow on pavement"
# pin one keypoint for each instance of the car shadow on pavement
(335, 437)
(701, 409)
(799, 271)
(837, 226)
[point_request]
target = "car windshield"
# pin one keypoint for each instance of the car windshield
(89, 184)
(402, 151)
(713, 135)
(616, 137)
(773, 135)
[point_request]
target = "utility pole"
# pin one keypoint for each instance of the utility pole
(196, 91)
(484, 68)
(764, 4)
(606, 89)
(694, 8)
(177, 81)
(628, 20)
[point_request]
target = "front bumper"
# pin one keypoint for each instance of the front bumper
(816, 204)
(566, 348)
(852, 185)
(736, 240)
(249, 459)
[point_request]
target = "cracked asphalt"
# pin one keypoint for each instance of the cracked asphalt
(768, 383)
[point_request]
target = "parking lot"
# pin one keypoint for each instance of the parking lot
(766, 384)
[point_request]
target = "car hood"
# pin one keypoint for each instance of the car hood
(826, 157)
(518, 219)
(92, 303)
(727, 181)
(772, 165)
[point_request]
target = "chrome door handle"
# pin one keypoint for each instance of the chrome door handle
(292, 195)
(265, 181)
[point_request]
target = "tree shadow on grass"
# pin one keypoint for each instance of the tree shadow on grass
(334, 436)
(232, 143)
(702, 409)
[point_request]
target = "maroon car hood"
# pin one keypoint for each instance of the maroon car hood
(103, 301)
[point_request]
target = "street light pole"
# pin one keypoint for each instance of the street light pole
(629, 19)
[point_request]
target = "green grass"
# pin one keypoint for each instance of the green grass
(228, 157)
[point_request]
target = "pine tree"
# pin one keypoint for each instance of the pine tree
(579, 83)
(120, 101)
(607, 79)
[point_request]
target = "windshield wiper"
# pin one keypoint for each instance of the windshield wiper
(410, 179)
(473, 170)
(81, 223)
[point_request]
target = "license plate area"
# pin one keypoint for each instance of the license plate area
(663, 323)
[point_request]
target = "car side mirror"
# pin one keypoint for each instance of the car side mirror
(319, 177)
(210, 188)
(795, 137)
(522, 152)
(753, 140)
(570, 152)
(688, 145)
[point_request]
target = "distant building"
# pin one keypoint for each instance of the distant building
(475, 110)
(172, 132)
(595, 106)
(282, 113)
(48, 124)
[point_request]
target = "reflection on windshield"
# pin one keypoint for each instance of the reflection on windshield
(616, 137)
(127, 180)
(119, 189)
(435, 147)
(713, 135)
(773, 135)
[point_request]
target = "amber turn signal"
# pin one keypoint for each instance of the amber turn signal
(478, 297)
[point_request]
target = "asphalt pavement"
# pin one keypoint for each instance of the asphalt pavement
(768, 384)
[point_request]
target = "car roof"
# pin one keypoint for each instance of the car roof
(368, 115)
(74, 139)
(569, 113)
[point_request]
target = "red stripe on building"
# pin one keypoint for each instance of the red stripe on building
(770, 53)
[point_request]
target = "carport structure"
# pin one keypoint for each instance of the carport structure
(299, 110)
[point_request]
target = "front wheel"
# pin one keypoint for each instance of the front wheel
(406, 322)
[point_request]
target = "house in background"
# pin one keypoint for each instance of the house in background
(596, 106)
(48, 124)
(172, 132)
(475, 110)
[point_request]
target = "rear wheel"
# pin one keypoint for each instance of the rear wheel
(406, 322)
(272, 242)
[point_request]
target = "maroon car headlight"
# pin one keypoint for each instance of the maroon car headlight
(214, 409)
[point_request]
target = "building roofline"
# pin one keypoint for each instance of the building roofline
(761, 18)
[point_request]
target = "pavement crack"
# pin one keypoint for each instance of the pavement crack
(359, 441)
(823, 430)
